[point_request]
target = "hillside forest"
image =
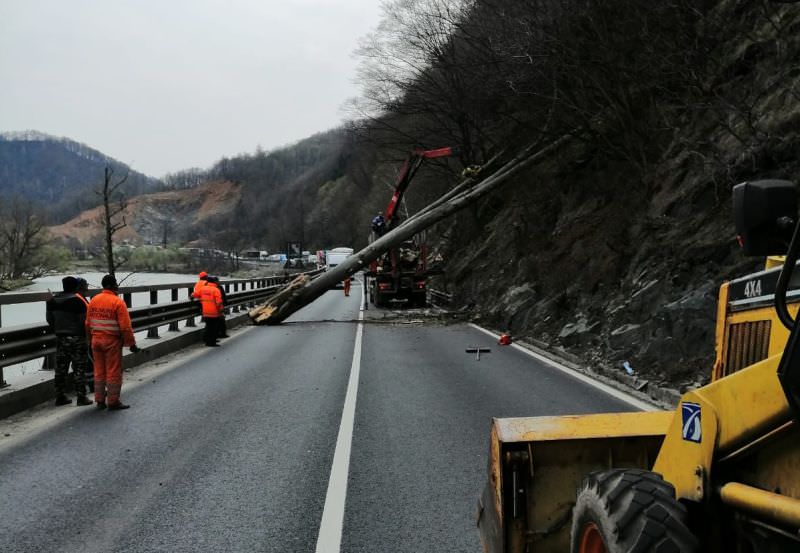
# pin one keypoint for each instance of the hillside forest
(614, 246)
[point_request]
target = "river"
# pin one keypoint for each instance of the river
(26, 313)
(34, 312)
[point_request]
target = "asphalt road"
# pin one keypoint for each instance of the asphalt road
(231, 448)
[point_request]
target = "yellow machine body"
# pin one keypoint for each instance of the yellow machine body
(537, 463)
(731, 448)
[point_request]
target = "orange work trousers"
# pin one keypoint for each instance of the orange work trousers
(347, 287)
(107, 354)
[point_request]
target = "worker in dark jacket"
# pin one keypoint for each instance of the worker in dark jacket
(379, 224)
(222, 327)
(83, 293)
(66, 315)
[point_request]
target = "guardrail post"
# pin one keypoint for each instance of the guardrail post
(173, 327)
(126, 297)
(236, 308)
(3, 383)
(153, 332)
(190, 320)
(49, 362)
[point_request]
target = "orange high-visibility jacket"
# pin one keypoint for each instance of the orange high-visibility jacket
(107, 316)
(211, 300)
(197, 287)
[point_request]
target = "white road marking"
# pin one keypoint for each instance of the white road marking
(618, 394)
(329, 539)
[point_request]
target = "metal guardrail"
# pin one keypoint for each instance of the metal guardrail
(437, 297)
(26, 342)
(126, 291)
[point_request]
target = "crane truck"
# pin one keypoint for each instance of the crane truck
(721, 473)
(401, 274)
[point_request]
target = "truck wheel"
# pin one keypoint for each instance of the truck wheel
(629, 511)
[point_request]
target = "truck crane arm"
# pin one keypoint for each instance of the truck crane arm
(407, 172)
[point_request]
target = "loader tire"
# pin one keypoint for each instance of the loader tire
(629, 511)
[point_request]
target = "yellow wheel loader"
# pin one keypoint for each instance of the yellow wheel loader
(719, 474)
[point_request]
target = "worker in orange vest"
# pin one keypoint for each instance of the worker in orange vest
(211, 304)
(199, 284)
(109, 329)
(347, 286)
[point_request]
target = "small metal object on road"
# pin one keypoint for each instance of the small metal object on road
(477, 350)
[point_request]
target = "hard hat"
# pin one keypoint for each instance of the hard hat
(505, 340)
(202, 274)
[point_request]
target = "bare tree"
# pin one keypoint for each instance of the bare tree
(114, 205)
(421, 82)
(165, 228)
(22, 234)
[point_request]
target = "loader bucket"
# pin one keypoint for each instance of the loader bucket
(537, 464)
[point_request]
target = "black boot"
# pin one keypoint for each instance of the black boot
(61, 399)
(83, 400)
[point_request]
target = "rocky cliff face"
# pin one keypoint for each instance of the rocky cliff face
(189, 216)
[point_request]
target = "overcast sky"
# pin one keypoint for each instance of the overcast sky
(165, 85)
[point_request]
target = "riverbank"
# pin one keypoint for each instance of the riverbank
(11, 285)
(96, 266)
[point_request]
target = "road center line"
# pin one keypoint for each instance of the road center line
(618, 394)
(330, 528)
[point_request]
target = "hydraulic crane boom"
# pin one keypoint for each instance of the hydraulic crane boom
(407, 172)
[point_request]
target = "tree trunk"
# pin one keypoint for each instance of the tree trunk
(427, 217)
(109, 211)
(107, 215)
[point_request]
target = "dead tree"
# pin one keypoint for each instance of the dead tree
(21, 236)
(113, 205)
(283, 304)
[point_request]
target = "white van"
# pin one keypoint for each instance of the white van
(335, 256)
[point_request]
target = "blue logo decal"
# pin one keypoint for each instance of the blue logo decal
(692, 431)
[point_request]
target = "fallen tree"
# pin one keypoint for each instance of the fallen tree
(287, 301)
(261, 314)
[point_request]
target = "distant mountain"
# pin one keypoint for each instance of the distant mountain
(59, 173)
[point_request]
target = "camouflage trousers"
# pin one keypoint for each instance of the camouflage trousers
(71, 349)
